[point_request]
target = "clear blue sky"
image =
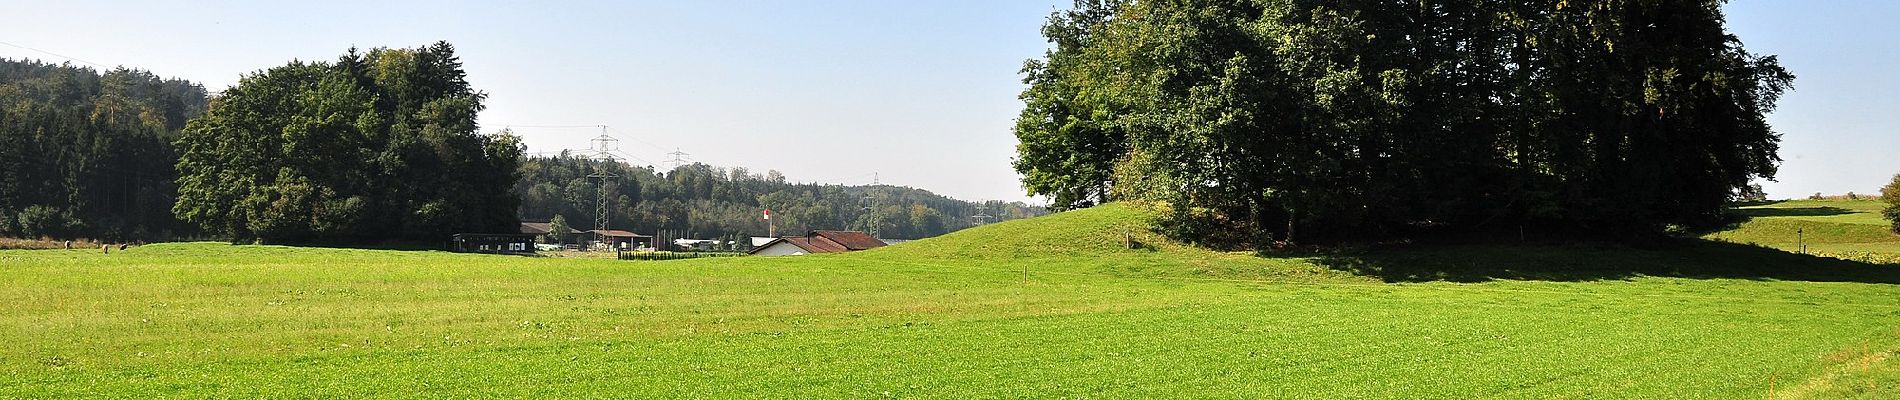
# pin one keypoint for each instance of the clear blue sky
(921, 92)
(1841, 125)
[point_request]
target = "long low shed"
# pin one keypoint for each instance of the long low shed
(512, 243)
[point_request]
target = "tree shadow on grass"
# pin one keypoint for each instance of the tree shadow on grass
(1737, 216)
(1793, 212)
(1685, 258)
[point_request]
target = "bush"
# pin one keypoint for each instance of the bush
(1891, 195)
(1752, 193)
(49, 221)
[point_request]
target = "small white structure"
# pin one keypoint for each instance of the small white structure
(698, 244)
(779, 248)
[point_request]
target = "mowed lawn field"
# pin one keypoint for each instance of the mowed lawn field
(1048, 307)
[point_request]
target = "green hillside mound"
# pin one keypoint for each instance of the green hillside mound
(1087, 232)
(1111, 239)
(1849, 229)
(1790, 230)
(1114, 239)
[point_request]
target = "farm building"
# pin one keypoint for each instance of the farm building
(492, 243)
(539, 229)
(620, 239)
(818, 242)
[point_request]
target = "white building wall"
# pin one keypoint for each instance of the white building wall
(780, 249)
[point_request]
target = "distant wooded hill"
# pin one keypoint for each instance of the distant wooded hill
(85, 154)
(89, 154)
(704, 201)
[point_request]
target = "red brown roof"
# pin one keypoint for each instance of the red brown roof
(543, 228)
(800, 242)
(617, 233)
(851, 240)
(827, 242)
(816, 245)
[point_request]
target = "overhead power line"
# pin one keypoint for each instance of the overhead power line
(550, 126)
(635, 139)
(57, 55)
(636, 158)
(649, 144)
(845, 179)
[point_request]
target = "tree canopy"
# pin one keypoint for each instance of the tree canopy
(1890, 195)
(1263, 120)
(375, 146)
(85, 153)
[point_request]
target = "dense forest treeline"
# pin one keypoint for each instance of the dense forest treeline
(702, 201)
(371, 147)
(1274, 120)
(85, 153)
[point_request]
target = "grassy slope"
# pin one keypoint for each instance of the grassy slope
(1851, 229)
(947, 317)
(1843, 227)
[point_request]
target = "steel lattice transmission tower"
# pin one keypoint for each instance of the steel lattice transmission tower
(679, 158)
(870, 204)
(602, 147)
(981, 216)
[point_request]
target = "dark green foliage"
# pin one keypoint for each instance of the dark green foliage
(701, 201)
(86, 154)
(1890, 194)
(1282, 119)
(1751, 193)
(373, 147)
(557, 230)
(1069, 141)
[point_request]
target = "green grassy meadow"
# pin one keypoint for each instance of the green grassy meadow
(1048, 307)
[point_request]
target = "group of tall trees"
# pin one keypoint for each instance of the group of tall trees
(702, 201)
(89, 153)
(1264, 120)
(374, 146)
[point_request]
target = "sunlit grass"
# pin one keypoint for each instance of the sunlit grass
(1050, 307)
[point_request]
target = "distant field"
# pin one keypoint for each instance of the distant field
(1847, 228)
(955, 317)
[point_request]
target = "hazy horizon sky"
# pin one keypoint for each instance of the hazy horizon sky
(921, 93)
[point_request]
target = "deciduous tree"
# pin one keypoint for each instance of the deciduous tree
(374, 146)
(1890, 194)
(1283, 119)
